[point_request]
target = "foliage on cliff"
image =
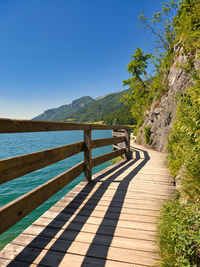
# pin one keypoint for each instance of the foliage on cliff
(144, 88)
(180, 220)
(180, 234)
(180, 223)
(138, 97)
(184, 140)
(121, 116)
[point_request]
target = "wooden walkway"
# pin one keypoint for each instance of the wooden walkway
(111, 221)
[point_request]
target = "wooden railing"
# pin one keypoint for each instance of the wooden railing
(15, 167)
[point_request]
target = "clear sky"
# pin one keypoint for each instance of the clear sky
(54, 51)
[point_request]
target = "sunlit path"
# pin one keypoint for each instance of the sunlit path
(111, 221)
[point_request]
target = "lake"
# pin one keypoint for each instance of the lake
(12, 145)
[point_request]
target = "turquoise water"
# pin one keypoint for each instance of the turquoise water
(12, 145)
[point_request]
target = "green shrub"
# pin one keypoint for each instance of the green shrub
(179, 234)
(147, 135)
(184, 143)
(117, 159)
(179, 227)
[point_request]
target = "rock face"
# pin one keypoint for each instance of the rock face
(161, 115)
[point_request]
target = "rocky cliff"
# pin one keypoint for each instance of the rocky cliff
(161, 115)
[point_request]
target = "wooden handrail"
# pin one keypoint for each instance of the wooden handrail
(108, 127)
(21, 126)
(107, 141)
(103, 158)
(18, 166)
(19, 208)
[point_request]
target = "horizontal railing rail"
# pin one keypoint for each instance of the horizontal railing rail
(15, 167)
(22, 126)
(22, 206)
(107, 141)
(18, 166)
(103, 158)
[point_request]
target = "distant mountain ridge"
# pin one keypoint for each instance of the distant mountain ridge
(87, 109)
(98, 110)
(65, 111)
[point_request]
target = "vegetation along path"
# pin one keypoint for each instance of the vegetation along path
(111, 221)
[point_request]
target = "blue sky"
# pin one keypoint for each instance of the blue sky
(54, 51)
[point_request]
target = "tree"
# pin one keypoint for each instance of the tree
(137, 67)
(146, 89)
(161, 25)
(139, 84)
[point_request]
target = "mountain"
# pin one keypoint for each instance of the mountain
(87, 109)
(99, 109)
(65, 111)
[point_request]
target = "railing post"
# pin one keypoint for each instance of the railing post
(87, 156)
(127, 144)
(113, 135)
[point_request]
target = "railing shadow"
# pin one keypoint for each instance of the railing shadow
(65, 240)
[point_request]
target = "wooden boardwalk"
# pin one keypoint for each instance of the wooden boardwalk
(110, 221)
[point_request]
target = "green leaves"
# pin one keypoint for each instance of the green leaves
(121, 116)
(179, 234)
(184, 141)
(147, 89)
(147, 135)
(138, 97)
(138, 64)
(137, 67)
(161, 25)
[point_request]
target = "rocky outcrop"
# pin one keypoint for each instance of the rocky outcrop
(161, 115)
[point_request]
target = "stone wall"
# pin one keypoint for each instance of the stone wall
(161, 115)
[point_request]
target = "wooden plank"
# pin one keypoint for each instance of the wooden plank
(84, 237)
(135, 207)
(43, 223)
(118, 134)
(19, 208)
(18, 166)
(118, 254)
(107, 141)
(128, 202)
(137, 224)
(138, 185)
(131, 203)
(133, 210)
(132, 188)
(21, 126)
(108, 127)
(57, 256)
(98, 160)
(77, 248)
(87, 156)
(109, 222)
(118, 146)
(124, 196)
(6, 262)
(103, 214)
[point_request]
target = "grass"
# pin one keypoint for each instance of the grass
(117, 159)
(179, 234)
(147, 135)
